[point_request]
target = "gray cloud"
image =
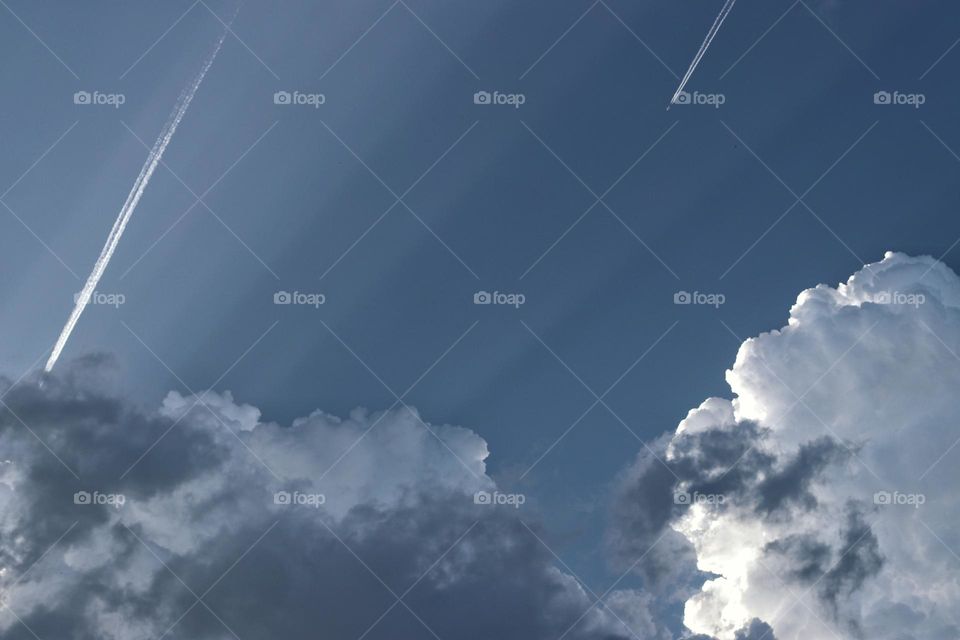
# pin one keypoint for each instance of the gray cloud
(199, 519)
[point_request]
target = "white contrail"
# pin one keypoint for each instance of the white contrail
(711, 34)
(133, 198)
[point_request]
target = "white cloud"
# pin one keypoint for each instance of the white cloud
(857, 394)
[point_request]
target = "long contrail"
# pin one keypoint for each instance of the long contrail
(133, 198)
(711, 34)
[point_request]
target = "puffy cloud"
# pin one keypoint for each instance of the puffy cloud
(821, 500)
(202, 521)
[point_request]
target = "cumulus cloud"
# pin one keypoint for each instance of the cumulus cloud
(200, 520)
(820, 501)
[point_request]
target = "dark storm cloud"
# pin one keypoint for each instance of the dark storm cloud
(199, 519)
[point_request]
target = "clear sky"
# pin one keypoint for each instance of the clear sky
(398, 197)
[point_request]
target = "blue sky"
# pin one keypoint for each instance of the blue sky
(398, 198)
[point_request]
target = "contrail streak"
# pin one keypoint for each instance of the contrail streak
(711, 34)
(133, 198)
